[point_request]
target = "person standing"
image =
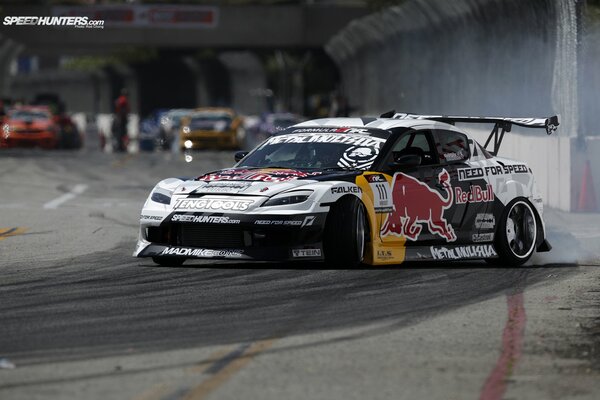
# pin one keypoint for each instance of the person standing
(122, 109)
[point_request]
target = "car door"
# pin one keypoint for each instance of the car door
(425, 211)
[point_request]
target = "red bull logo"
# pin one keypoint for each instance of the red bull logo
(417, 205)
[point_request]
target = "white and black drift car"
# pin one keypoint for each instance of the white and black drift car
(349, 190)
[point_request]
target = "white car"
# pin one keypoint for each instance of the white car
(356, 190)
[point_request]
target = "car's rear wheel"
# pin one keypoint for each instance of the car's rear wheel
(169, 261)
(516, 236)
(345, 234)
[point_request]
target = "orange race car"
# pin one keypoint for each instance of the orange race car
(216, 128)
(29, 126)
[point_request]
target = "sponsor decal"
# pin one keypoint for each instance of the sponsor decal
(213, 204)
(461, 252)
(265, 175)
(206, 253)
(297, 253)
(345, 189)
(417, 205)
(375, 178)
(485, 221)
(151, 217)
(63, 21)
(277, 222)
(203, 219)
(223, 187)
(350, 139)
(465, 174)
(385, 254)
(456, 156)
(307, 221)
(475, 195)
(358, 157)
(382, 198)
(482, 237)
(331, 130)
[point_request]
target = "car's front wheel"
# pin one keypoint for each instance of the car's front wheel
(345, 234)
(516, 236)
(169, 261)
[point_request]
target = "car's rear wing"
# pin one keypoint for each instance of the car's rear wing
(501, 124)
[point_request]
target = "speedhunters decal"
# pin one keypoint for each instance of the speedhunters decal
(203, 219)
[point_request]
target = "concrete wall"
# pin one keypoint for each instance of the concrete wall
(482, 57)
(81, 91)
(550, 159)
(473, 57)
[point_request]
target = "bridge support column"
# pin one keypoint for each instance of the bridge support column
(248, 81)
(9, 50)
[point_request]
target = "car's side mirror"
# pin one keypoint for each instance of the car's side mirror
(239, 155)
(406, 161)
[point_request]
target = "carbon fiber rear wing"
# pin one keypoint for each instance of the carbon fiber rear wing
(501, 124)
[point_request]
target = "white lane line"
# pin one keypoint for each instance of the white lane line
(77, 190)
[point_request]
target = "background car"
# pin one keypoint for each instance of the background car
(269, 124)
(30, 126)
(70, 136)
(217, 128)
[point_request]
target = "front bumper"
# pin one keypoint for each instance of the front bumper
(45, 140)
(234, 236)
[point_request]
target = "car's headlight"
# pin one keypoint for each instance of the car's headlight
(288, 198)
(161, 197)
(6, 130)
(186, 129)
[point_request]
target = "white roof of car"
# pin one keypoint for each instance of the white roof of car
(377, 123)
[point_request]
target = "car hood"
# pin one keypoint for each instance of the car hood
(253, 181)
(22, 124)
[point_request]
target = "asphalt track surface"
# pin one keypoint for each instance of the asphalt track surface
(81, 318)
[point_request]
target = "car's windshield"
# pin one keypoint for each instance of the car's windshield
(210, 120)
(29, 114)
(316, 151)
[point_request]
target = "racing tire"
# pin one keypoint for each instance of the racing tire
(345, 235)
(169, 261)
(516, 235)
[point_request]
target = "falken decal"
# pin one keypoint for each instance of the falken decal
(415, 203)
(463, 252)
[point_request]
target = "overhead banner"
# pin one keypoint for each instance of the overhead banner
(151, 16)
